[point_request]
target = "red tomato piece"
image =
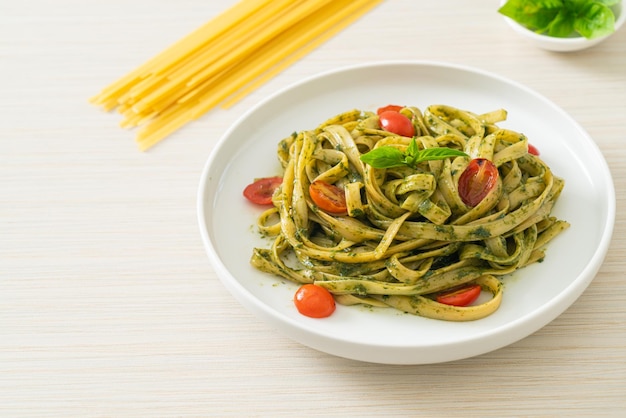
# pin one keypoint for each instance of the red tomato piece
(262, 190)
(392, 107)
(533, 150)
(328, 197)
(397, 123)
(462, 296)
(314, 301)
(480, 176)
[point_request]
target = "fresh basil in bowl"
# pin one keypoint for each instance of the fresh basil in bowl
(564, 25)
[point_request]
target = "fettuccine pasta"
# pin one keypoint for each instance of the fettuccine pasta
(407, 234)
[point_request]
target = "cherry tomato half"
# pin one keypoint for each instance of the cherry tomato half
(477, 180)
(261, 191)
(314, 301)
(328, 197)
(392, 107)
(533, 150)
(397, 123)
(462, 296)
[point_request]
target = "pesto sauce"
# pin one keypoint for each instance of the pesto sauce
(359, 289)
(481, 232)
(347, 270)
(356, 213)
(301, 232)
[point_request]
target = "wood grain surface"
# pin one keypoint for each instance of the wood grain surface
(108, 304)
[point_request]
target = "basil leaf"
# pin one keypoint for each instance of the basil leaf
(412, 150)
(575, 6)
(384, 157)
(563, 24)
(561, 18)
(608, 2)
(387, 156)
(441, 153)
(534, 14)
(549, 4)
(412, 153)
(595, 20)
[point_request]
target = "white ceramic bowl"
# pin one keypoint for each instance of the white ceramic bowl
(577, 43)
(533, 297)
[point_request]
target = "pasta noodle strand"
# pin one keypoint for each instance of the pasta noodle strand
(407, 235)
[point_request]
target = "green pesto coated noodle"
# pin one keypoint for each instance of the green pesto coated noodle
(407, 234)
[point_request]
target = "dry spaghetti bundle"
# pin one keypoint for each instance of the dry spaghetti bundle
(222, 61)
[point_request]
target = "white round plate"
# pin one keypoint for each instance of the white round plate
(533, 296)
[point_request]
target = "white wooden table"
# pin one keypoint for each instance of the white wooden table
(108, 304)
